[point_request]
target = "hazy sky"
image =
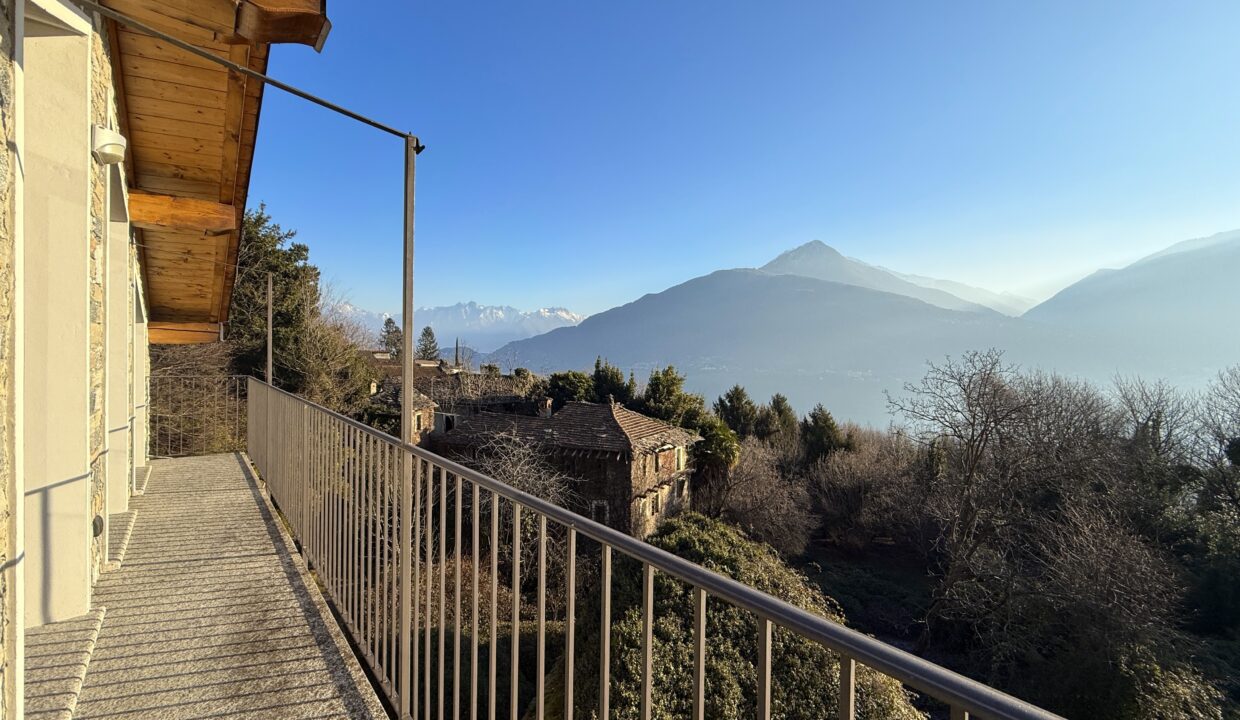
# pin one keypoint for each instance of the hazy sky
(585, 153)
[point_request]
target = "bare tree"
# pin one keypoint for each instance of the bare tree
(871, 491)
(327, 357)
(755, 497)
(517, 463)
(1157, 416)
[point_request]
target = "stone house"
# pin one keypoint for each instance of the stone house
(387, 397)
(122, 185)
(634, 470)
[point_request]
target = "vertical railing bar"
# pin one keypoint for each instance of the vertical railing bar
(384, 576)
(391, 558)
(355, 564)
(356, 539)
(443, 589)
(372, 542)
(430, 569)
(541, 662)
(699, 654)
(414, 592)
(514, 639)
(321, 453)
(764, 669)
(347, 564)
(604, 690)
(365, 628)
(329, 507)
(320, 470)
(456, 614)
(959, 713)
(475, 513)
(647, 638)
(570, 620)
(492, 658)
(342, 514)
(848, 688)
(381, 539)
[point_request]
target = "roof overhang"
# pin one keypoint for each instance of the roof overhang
(191, 126)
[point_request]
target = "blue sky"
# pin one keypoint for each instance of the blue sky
(583, 154)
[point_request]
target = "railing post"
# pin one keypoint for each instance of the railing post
(848, 688)
(406, 581)
(302, 461)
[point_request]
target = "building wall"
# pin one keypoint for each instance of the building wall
(102, 110)
(659, 489)
(9, 497)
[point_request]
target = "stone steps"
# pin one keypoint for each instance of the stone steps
(57, 655)
(120, 529)
(141, 476)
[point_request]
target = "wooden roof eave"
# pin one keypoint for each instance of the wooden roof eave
(191, 125)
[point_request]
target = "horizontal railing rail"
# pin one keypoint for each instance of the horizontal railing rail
(340, 484)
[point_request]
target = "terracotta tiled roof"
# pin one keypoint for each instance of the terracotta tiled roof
(579, 426)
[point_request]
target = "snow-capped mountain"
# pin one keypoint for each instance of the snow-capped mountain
(481, 327)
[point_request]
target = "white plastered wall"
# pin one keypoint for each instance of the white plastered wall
(53, 417)
(141, 374)
(118, 345)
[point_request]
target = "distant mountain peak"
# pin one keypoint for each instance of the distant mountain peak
(813, 249)
(816, 259)
(483, 327)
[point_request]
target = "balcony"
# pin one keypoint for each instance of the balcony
(276, 583)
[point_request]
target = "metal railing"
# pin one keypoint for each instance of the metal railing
(197, 414)
(413, 564)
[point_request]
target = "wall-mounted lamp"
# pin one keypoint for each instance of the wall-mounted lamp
(108, 146)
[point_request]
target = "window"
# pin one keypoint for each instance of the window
(680, 458)
(656, 462)
(418, 422)
(654, 505)
(600, 512)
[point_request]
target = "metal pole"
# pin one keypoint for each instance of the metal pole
(406, 424)
(268, 328)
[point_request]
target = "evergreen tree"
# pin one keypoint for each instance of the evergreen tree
(609, 383)
(777, 422)
(717, 451)
(267, 248)
(392, 338)
(314, 354)
(570, 386)
(665, 398)
(738, 411)
(820, 435)
(428, 346)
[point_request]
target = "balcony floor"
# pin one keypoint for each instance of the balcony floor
(213, 615)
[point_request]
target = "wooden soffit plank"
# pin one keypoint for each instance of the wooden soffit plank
(175, 333)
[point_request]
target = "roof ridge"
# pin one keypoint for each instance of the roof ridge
(619, 425)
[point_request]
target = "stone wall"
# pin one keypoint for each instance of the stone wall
(8, 495)
(102, 102)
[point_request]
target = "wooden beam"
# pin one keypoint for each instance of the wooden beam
(284, 21)
(150, 211)
(171, 333)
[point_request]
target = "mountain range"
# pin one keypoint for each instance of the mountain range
(821, 327)
(481, 327)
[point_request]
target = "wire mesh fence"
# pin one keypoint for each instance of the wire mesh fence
(197, 415)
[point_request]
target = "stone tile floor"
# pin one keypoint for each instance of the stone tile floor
(212, 613)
